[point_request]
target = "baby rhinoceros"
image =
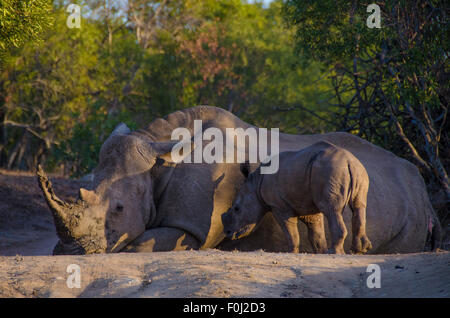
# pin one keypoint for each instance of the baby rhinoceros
(322, 178)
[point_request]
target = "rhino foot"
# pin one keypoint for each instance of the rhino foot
(361, 245)
(336, 250)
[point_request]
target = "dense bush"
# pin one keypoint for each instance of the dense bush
(61, 97)
(304, 66)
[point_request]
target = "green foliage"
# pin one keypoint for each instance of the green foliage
(80, 151)
(279, 85)
(65, 96)
(391, 83)
(22, 21)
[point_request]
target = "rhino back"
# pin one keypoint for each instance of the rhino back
(398, 205)
(397, 210)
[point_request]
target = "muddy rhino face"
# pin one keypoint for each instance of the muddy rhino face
(247, 210)
(121, 204)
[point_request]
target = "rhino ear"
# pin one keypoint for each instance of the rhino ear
(245, 169)
(121, 129)
(172, 152)
(88, 196)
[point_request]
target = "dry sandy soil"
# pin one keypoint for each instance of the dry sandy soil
(27, 237)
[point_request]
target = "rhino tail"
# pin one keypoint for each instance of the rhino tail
(435, 229)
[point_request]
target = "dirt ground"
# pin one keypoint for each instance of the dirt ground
(27, 237)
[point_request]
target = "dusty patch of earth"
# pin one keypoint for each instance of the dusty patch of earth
(213, 273)
(27, 237)
(26, 224)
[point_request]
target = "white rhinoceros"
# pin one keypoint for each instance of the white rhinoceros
(319, 179)
(140, 203)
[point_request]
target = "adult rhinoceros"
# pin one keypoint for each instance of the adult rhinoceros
(141, 203)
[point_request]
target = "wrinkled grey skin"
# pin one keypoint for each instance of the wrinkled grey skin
(322, 178)
(122, 204)
(141, 204)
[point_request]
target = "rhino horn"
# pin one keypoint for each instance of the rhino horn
(60, 209)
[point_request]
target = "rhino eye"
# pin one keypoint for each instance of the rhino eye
(236, 209)
(119, 208)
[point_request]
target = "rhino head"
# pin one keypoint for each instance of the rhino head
(248, 209)
(121, 204)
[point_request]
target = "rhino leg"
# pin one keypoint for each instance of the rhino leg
(289, 225)
(163, 239)
(361, 243)
(316, 232)
(337, 227)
